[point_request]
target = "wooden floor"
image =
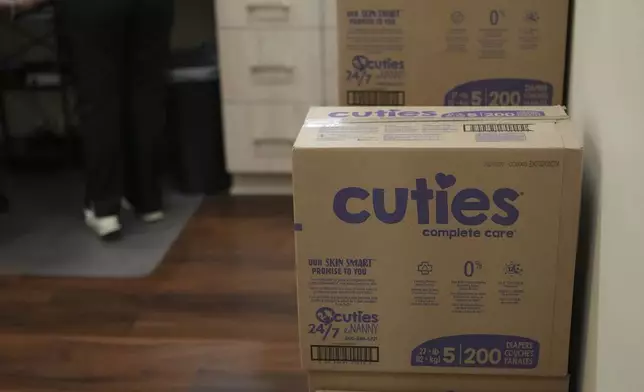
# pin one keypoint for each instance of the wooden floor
(219, 315)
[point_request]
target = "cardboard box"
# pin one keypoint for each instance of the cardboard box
(452, 52)
(436, 240)
(341, 381)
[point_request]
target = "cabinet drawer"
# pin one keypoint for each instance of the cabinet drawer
(259, 138)
(269, 13)
(271, 65)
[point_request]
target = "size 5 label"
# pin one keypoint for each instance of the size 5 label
(481, 351)
(501, 92)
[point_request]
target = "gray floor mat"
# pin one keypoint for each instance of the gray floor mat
(44, 233)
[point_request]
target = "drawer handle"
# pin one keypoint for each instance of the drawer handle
(282, 69)
(274, 140)
(272, 12)
(272, 75)
(268, 6)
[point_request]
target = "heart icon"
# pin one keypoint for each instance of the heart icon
(445, 180)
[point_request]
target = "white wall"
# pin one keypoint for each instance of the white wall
(607, 103)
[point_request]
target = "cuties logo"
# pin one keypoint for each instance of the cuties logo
(469, 207)
(364, 69)
(385, 113)
(329, 316)
(362, 63)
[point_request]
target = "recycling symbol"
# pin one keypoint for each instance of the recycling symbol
(425, 268)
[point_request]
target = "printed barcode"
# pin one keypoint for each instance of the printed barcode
(378, 98)
(497, 128)
(345, 353)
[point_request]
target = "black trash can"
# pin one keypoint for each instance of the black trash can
(196, 148)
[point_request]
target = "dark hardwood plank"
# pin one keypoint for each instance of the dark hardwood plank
(218, 315)
(90, 364)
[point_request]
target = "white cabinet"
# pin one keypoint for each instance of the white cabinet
(331, 72)
(275, 62)
(330, 10)
(269, 13)
(271, 65)
(263, 136)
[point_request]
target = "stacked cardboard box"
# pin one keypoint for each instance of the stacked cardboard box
(352, 382)
(452, 52)
(436, 248)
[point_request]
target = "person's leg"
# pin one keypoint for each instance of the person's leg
(148, 54)
(4, 203)
(94, 31)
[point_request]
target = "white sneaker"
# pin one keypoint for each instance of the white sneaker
(153, 217)
(149, 217)
(107, 227)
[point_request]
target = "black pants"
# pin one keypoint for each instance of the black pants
(119, 51)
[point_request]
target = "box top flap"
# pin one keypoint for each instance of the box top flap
(354, 114)
(434, 127)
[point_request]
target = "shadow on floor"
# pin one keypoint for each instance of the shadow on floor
(44, 234)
